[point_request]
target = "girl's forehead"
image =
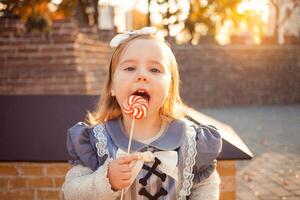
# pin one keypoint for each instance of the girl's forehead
(145, 48)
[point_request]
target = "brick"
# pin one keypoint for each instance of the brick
(31, 170)
(228, 183)
(281, 191)
(297, 192)
(226, 168)
(227, 196)
(246, 195)
(7, 170)
(3, 184)
(28, 50)
(17, 195)
(18, 58)
(269, 197)
(259, 190)
(17, 183)
(291, 187)
(290, 198)
(58, 182)
(57, 169)
(40, 182)
(53, 49)
(48, 194)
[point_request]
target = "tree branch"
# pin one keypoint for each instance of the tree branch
(288, 15)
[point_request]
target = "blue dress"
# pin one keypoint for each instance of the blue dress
(197, 148)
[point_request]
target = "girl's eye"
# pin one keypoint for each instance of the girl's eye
(129, 69)
(156, 70)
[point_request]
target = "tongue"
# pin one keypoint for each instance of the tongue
(145, 96)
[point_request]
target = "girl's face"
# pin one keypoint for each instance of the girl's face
(143, 69)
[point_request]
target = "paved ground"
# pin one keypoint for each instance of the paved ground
(270, 176)
(272, 133)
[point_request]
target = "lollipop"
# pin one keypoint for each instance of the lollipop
(136, 107)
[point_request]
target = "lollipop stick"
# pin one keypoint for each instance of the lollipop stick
(130, 136)
(129, 146)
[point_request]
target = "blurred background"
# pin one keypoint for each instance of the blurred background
(239, 62)
(188, 21)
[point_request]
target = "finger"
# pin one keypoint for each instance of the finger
(125, 168)
(134, 157)
(127, 159)
(130, 158)
(125, 183)
(126, 176)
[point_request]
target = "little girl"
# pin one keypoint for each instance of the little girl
(171, 157)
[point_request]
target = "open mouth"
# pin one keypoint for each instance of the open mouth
(142, 93)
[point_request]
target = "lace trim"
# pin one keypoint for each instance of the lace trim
(102, 188)
(190, 151)
(101, 145)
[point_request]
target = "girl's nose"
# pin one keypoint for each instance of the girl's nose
(142, 77)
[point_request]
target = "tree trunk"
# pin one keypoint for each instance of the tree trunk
(95, 5)
(276, 29)
(276, 19)
(148, 14)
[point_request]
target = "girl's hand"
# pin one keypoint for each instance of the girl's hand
(119, 172)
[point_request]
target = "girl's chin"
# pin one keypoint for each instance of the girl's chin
(152, 113)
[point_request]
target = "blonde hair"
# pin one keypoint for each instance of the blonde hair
(108, 107)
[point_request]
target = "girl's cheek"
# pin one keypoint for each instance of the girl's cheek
(119, 78)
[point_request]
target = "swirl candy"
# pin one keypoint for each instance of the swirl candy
(136, 107)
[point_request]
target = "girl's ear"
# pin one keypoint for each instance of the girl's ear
(112, 92)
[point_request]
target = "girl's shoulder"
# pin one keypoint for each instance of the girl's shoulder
(87, 145)
(206, 140)
(208, 137)
(204, 144)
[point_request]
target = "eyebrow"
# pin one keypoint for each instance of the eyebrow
(156, 62)
(134, 61)
(128, 61)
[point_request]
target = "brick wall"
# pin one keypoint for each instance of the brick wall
(63, 61)
(239, 75)
(44, 180)
(23, 180)
(70, 60)
(227, 172)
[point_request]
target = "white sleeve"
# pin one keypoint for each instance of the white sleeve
(82, 183)
(207, 189)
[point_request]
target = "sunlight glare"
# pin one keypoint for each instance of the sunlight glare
(57, 2)
(261, 7)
